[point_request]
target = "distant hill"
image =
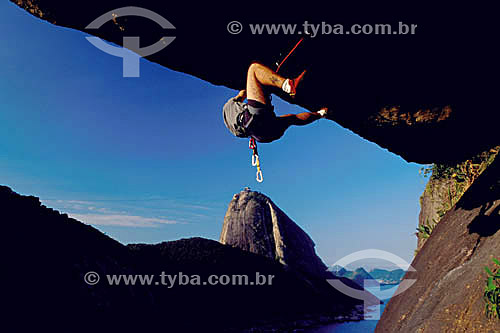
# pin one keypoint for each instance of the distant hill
(359, 275)
(382, 276)
(387, 277)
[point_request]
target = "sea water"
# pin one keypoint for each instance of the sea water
(383, 292)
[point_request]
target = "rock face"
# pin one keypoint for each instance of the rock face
(432, 202)
(403, 92)
(450, 280)
(445, 187)
(254, 223)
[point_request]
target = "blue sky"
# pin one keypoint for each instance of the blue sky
(148, 159)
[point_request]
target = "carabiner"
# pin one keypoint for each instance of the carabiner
(251, 143)
(260, 178)
(255, 160)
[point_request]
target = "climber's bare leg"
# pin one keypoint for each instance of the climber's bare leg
(259, 76)
(300, 119)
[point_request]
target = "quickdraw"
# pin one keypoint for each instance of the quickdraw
(255, 159)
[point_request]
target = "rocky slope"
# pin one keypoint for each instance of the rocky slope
(48, 254)
(450, 279)
(416, 95)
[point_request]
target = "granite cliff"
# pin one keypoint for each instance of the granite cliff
(450, 278)
(254, 223)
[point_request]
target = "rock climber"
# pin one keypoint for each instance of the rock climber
(256, 117)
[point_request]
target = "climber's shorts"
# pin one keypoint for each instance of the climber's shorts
(262, 123)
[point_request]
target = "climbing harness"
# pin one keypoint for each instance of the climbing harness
(252, 144)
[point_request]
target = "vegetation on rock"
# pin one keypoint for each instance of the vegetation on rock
(492, 291)
(457, 178)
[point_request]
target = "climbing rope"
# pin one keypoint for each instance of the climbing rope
(307, 34)
(290, 53)
(252, 144)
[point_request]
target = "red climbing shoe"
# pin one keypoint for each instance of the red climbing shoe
(294, 83)
(326, 113)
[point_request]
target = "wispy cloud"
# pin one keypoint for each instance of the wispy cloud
(122, 220)
(132, 213)
(76, 205)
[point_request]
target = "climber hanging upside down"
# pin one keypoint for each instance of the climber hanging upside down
(256, 118)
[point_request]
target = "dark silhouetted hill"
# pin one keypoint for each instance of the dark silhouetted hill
(50, 253)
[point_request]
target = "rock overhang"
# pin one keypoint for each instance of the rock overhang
(427, 97)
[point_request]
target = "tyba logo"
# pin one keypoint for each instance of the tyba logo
(130, 59)
(362, 294)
